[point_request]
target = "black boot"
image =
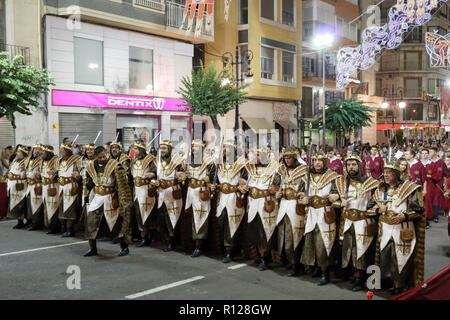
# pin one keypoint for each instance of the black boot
(19, 225)
(69, 233)
(123, 248)
(264, 264)
(227, 258)
(294, 271)
(197, 252)
(35, 227)
(358, 284)
(92, 250)
(316, 272)
(395, 291)
(169, 248)
(143, 243)
(324, 279)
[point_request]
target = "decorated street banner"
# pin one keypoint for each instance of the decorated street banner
(438, 48)
(191, 8)
(403, 16)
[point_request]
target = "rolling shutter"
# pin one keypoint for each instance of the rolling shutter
(86, 125)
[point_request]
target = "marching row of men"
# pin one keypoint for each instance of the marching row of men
(311, 215)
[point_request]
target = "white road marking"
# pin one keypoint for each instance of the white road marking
(237, 266)
(165, 287)
(39, 249)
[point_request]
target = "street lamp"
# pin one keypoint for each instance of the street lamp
(227, 59)
(321, 42)
(394, 97)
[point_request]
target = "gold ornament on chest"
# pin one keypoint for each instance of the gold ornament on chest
(100, 180)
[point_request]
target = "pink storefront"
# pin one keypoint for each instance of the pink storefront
(131, 117)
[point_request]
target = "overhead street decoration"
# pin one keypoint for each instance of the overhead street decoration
(438, 48)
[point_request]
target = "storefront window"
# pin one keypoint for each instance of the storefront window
(135, 128)
(141, 68)
(88, 61)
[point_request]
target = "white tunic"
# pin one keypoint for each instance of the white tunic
(50, 203)
(262, 180)
(111, 215)
(146, 203)
(200, 208)
(230, 174)
(35, 200)
(15, 196)
(167, 172)
(359, 202)
(64, 191)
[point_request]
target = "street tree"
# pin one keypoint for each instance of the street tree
(21, 87)
(208, 95)
(345, 115)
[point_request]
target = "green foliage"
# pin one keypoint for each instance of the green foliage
(347, 115)
(205, 94)
(21, 87)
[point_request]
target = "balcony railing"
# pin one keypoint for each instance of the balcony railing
(174, 12)
(150, 4)
(15, 51)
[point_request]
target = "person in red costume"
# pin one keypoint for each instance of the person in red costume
(442, 173)
(430, 186)
(334, 163)
(375, 163)
(416, 168)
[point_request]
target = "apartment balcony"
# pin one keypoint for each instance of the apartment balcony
(159, 17)
(13, 51)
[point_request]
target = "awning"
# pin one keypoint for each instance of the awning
(258, 124)
(287, 124)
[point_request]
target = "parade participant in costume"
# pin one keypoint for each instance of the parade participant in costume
(69, 190)
(320, 230)
(262, 208)
(35, 207)
(117, 154)
(4, 167)
(334, 163)
(374, 163)
(231, 175)
(442, 173)
(401, 235)
(200, 173)
(89, 156)
(357, 229)
(112, 201)
(50, 187)
(291, 217)
(430, 185)
(416, 168)
(170, 198)
(143, 170)
(17, 187)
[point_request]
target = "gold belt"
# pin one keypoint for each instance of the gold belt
(195, 183)
(139, 182)
(354, 214)
(227, 188)
(101, 190)
(318, 202)
(164, 184)
(32, 181)
(387, 217)
(46, 181)
(12, 176)
(289, 194)
(65, 180)
(256, 193)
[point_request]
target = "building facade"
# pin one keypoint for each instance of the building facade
(116, 65)
(405, 75)
(271, 30)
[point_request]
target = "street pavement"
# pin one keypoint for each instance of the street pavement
(33, 265)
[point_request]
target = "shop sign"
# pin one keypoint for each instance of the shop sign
(106, 100)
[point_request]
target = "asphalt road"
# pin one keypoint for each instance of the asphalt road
(149, 273)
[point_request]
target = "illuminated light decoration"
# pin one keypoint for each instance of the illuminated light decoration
(191, 7)
(438, 48)
(375, 39)
(226, 12)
